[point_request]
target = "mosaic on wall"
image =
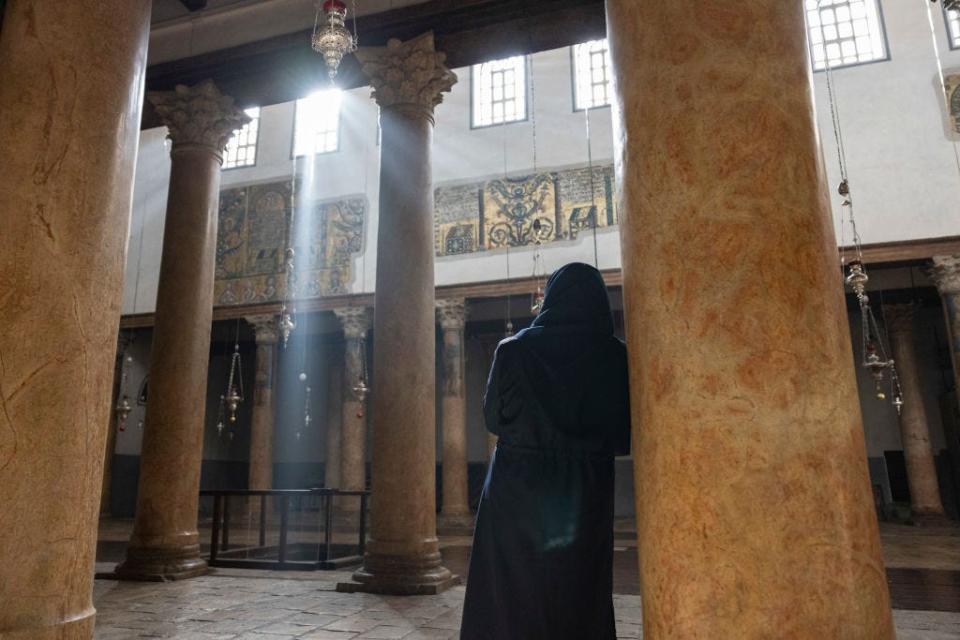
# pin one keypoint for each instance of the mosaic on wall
(513, 212)
(951, 83)
(252, 237)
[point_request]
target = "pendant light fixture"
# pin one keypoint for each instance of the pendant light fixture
(331, 38)
(873, 352)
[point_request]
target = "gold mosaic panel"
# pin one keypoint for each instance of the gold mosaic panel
(514, 212)
(252, 236)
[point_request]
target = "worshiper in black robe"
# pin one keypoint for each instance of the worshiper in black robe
(557, 397)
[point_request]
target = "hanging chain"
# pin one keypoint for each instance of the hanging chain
(874, 356)
(593, 194)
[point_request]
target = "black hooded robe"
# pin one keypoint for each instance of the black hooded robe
(557, 397)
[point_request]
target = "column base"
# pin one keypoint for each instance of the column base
(79, 627)
(930, 519)
(162, 564)
(400, 576)
(456, 524)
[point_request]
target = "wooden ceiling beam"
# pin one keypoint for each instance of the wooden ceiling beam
(284, 68)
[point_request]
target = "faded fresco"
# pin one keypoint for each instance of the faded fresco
(951, 83)
(252, 238)
(514, 212)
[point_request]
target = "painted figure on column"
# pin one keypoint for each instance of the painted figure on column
(946, 274)
(542, 562)
(356, 323)
(925, 502)
(455, 512)
(260, 475)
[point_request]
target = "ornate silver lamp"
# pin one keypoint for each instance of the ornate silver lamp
(331, 38)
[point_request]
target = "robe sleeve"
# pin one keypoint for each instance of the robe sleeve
(622, 436)
(503, 400)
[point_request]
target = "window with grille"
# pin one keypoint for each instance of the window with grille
(845, 32)
(316, 126)
(500, 91)
(591, 75)
(241, 149)
(953, 27)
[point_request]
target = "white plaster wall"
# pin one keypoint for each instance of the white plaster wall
(903, 172)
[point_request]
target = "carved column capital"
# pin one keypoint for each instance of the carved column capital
(264, 328)
(945, 273)
(899, 317)
(199, 115)
(452, 313)
(354, 320)
(409, 76)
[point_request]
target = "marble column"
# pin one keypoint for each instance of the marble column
(164, 544)
(946, 274)
(403, 556)
(260, 475)
(353, 437)
(70, 119)
(925, 500)
(333, 424)
(754, 507)
(455, 511)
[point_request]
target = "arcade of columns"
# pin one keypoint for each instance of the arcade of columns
(768, 445)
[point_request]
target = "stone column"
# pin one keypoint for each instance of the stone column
(914, 431)
(755, 514)
(334, 430)
(261, 425)
(164, 544)
(451, 314)
(353, 458)
(946, 274)
(70, 118)
(403, 554)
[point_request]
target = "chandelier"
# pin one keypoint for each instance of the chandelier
(331, 38)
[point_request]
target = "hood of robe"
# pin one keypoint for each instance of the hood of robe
(570, 346)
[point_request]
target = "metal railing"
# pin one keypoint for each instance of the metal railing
(314, 510)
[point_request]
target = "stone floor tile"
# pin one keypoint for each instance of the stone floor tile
(357, 623)
(384, 632)
(286, 629)
(432, 634)
(325, 634)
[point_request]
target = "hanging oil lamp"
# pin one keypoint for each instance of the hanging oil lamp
(876, 366)
(234, 395)
(857, 280)
(287, 325)
(123, 409)
(361, 390)
(220, 414)
(331, 38)
(537, 303)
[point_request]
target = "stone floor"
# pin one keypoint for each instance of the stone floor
(242, 604)
(270, 606)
